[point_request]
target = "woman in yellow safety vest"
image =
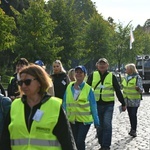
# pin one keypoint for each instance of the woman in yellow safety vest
(36, 121)
(81, 108)
(132, 89)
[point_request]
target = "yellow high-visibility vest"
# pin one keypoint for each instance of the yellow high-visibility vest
(129, 90)
(106, 89)
(78, 110)
(40, 136)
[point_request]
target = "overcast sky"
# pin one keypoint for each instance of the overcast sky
(124, 11)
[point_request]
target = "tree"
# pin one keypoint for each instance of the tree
(142, 40)
(36, 38)
(98, 37)
(7, 25)
(7, 39)
(68, 28)
(86, 8)
(121, 52)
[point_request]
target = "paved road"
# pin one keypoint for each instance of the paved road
(120, 139)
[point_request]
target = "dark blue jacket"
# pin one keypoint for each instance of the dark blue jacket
(5, 103)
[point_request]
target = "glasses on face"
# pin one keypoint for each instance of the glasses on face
(27, 82)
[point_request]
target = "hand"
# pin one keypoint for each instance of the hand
(124, 108)
(97, 131)
(12, 97)
(96, 126)
(137, 88)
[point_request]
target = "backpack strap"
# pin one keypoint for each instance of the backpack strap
(97, 85)
(97, 82)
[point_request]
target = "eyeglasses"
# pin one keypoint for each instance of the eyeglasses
(27, 82)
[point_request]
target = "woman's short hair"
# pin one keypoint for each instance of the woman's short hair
(41, 76)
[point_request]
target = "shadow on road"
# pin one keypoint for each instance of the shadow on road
(122, 143)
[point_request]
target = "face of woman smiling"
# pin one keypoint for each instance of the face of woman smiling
(79, 74)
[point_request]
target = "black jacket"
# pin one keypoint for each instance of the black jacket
(13, 87)
(2, 90)
(62, 129)
(60, 82)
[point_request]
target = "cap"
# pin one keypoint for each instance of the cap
(82, 68)
(39, 62)
(22, 61)
(103, 60)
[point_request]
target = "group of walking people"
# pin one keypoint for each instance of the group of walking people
(56, 112)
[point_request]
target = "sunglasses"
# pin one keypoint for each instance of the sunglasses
(26, 82)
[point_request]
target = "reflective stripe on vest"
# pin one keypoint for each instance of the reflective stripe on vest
(79, 113)
(35, 142)
(77, 105)
(78, 110)
(107, 92)
(41, 134)
(129, 90)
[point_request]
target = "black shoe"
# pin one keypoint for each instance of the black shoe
(130, 132)
(133, 133)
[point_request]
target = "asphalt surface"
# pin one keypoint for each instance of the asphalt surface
(120, 138)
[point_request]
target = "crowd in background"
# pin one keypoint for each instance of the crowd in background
(56, 111)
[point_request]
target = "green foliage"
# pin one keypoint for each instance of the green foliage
(142, 41)
(7, 25)
(5, 78)
(35, 33)
(97, 37)
(68, 28)
(19, 5)
(120, 52)
(86, 8)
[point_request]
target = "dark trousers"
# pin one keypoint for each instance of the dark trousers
(79, 132)
(105, 113)
(132, 112)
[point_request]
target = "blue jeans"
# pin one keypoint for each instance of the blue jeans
(132, 112)
(105, 113)
(79, 132)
